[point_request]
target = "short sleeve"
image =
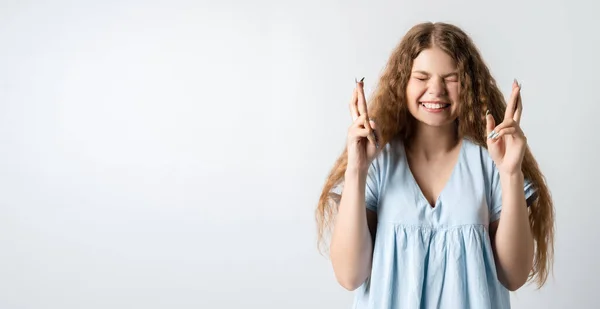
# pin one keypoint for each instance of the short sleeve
(371, 188)
(496, 194)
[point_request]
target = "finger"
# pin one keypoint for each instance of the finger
(358, 127)
(360, 121)
(519, 109)
(513, 131)
(490, 123)
(360, 132)
(362, 102)
(353, 108)
(504, 124)
(374, 134)
(362, 110)
(512, 102)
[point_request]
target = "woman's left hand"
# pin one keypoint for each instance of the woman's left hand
(506, 142)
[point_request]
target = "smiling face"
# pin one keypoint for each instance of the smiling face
(433, 88)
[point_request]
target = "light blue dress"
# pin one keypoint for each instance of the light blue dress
(434, 257)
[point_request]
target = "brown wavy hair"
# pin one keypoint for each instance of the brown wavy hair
(479, 92)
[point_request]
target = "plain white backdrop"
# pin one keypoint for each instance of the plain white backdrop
(170, 154)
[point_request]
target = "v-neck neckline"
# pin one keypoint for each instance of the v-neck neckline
(414, 182)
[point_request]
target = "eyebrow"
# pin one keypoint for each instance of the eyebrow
(445, 75)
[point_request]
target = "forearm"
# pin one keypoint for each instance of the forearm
(513, 240)
(351, 243)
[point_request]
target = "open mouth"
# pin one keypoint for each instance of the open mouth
(434, 106)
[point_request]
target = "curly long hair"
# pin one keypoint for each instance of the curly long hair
(479, 92)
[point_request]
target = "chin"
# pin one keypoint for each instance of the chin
(435, 123)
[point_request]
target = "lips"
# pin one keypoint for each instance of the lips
(431, 105)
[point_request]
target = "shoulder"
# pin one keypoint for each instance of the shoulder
(391, 154)
(478, 166)
(477, 156)
(389, 163)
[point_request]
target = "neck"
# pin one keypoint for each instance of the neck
(433, 142)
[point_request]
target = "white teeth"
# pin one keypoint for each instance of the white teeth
(434, 105)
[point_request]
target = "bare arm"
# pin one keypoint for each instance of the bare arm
(353, 234)
(512, 239)
(351, 248)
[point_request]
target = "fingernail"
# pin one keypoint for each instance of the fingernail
(495, 136)
(491, 134)
(487, 112)
(362, 79)
(518, 84)
(355, 81)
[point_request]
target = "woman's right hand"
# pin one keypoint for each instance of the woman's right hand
(362, 144)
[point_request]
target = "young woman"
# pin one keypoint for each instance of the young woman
(437, 201)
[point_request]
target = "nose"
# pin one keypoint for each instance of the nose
(436, 87)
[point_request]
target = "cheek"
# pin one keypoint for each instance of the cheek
(414, 92)
(454, 91)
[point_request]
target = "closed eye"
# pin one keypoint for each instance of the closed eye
(423, 76)
(452, 77)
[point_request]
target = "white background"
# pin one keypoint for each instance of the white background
(170, 154)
